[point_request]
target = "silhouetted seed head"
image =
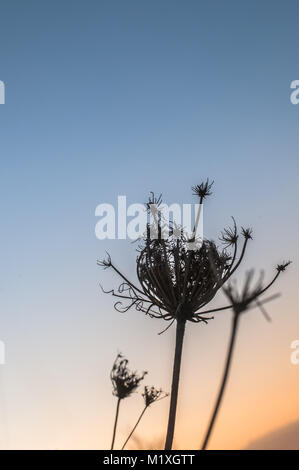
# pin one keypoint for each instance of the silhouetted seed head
(203, 190)
(229, 236)
(175, 281)
(151, 394)
(247, 233)
(123, 380)
(283, 266)
(105, 263)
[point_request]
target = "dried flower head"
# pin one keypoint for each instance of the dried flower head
(229, 236)
(247, 233)
(124, 381)
(203, 190)
(151, 394)
(106, 262)
(283, 266)
(176, 282)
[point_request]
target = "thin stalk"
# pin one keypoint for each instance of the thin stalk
(224, 379)
(133, 430)
(180, 330)
(115, 422)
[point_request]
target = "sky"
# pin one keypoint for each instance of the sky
(107, 98)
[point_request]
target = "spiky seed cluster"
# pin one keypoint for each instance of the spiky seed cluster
(247, 233)
(203, 190)
(229, 236)
(124, 381)
(151, 394)
(105, 263)
(174, 281)
(283, 266)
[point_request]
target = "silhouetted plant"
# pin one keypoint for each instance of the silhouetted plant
(151, 395)
(177, 281)
(241, 302)
(124, 383)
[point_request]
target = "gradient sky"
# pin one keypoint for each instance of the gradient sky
(105, 98)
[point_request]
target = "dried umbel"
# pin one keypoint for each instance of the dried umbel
(203, 190)
(175, 282)
(179, 282)
(124, 381)
(152, 394)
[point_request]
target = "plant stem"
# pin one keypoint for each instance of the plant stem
(138, 421)
(224, 379)
(115, 423)
(180, 330)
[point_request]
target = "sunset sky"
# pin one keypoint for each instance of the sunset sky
(112, 97)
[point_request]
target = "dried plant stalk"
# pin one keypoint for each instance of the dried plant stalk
(240, 304)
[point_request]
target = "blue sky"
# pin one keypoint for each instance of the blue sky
(105, 98)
